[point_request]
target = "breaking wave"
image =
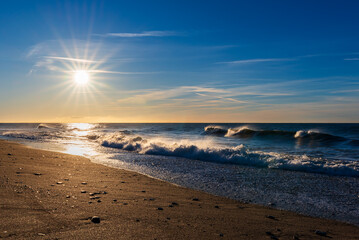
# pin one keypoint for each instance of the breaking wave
(31, 135)
(241, 155)
(302, 135)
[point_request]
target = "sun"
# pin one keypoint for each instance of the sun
(81, 77)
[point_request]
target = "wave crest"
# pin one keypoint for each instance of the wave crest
(241, 155)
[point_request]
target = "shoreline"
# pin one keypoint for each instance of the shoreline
(40, 196)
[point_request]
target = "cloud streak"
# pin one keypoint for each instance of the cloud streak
(71, 59)
(258, 60)
(351, 59)
(143, 34)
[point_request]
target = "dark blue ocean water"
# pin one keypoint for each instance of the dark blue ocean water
(308, 168)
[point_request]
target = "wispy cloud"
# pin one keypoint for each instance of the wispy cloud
(346, 91)
(198, 97)
(259, 60)
(117, 72)
(142, 34)
(71, 59)
(351, 59)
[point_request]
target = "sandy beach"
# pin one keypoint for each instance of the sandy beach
(51, 195)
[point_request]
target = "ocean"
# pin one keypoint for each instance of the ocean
(311, 169)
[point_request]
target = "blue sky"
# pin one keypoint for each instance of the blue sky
(179, 61)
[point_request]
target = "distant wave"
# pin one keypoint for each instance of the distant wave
(50, 126)
(31, 135)
(315, 135)
(42, 125)
(215, 130)
(305, 136)
(241, 155)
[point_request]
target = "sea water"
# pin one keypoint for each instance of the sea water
(311, 169)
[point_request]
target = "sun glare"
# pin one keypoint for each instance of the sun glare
(81, 77)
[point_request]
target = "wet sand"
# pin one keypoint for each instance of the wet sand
(50, 195)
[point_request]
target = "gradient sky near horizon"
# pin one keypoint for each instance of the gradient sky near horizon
(179, 61)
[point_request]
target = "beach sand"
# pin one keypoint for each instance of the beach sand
(50, 195)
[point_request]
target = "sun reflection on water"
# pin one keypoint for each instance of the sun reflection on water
(78, 143)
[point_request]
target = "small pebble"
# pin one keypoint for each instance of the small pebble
(170, 205)
(195, 199)
(221, 234)
(95, 219)
(67, 196)
(84, 183)
(9, 154)
(270, 217)
(216, 206)
(174, 204)
(320, 233)
(41, 234)
(99, 201)
(83, 191)
(59, 183)
(37, 174)
(160, 208)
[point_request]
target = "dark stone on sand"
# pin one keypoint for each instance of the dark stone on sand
(137, 220)
(91, 194)
(95, 219)
(295, 237)
(195, 199)
(170, 205)
(37, 174)
(66, 179)
(270, 217)
(221, 235)
(160, 208)
(216, 206)
(104, 192)
(83, 191)
(84, 183)
(143, 191)
(99, 201)
(89, 202)
(68, 196)
(59, 183)
(320, 233)
(152, 199)
(9, 154)
(272, 236)
(174, 204)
